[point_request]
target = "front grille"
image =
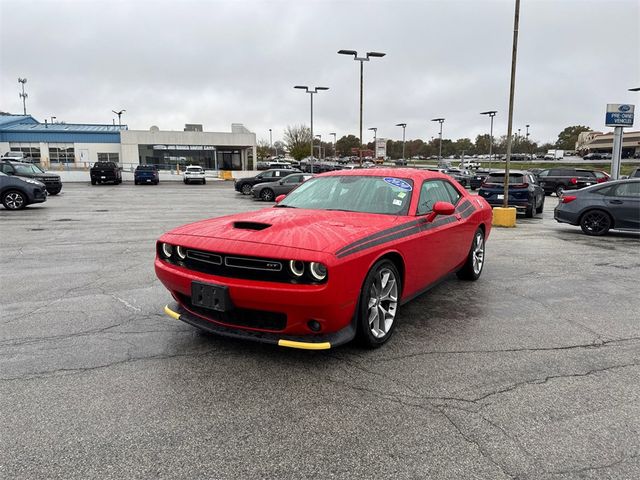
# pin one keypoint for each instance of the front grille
(235, 266)
(241, 317)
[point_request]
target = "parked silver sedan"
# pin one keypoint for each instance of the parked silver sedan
(601, 207)
(269, 191)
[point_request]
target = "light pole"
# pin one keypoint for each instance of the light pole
(335, 152)
(361, 60)
(319, 137)
(23, 95)
(119, 117)
(527, 140)
(512, 89)
(491, 113)
(441, 121)
(270, 142)
(404, 126)
(375, 143)
(311, 93)
(52, 119)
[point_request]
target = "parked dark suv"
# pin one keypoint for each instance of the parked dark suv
(146, 174)
(31, 170)
(557, 180)
(524, 191)
(16, 192)
(244, 185)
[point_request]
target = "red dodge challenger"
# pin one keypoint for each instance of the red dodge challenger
(331, 261)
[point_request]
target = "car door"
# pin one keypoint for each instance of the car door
(287, 184)
(434, 251)
(623, 201)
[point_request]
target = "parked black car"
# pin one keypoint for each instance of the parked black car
(33, 171)
(599, 208)
(17, 192)
(595, 156)
(244, 185)
(478, 178)
(103, 172)
(270, 190)
(557, 180)
(524, 191)
(635, 173)
(146, 174)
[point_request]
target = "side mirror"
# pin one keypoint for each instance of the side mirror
(441, 208)
(279, 198)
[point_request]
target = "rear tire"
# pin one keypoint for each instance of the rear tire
(595, 222)
(541, 207)
(378, 304)
(204, 181)
(14, 200)
(531, 209)
(472, 268)
(93, 182)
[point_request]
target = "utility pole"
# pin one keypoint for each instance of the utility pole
(23, 95)
(512, 88)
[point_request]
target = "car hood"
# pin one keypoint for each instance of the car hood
(316, 230)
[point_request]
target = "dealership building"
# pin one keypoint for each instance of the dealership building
(80, 145)
(599, 142)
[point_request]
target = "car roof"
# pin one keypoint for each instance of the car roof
(511, 172)
(412, 173)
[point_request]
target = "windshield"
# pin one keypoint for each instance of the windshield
(28, 169)
(386, 195)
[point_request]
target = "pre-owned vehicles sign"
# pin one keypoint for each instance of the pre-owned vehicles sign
(619, 115)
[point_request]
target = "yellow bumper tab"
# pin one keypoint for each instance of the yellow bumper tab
(171, 313)
(304, 345)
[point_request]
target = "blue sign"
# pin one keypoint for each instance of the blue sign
(619, 115)
(397, 182)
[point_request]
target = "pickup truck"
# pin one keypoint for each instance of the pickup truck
(103, 172)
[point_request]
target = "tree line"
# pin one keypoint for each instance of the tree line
(297, 140)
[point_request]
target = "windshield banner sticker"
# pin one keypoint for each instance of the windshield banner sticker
(396, 182)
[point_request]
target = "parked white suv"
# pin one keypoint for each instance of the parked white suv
(193, 173)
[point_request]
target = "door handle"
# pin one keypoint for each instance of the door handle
(616, 202)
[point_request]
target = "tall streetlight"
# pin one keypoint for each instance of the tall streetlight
(441, 121)
(23, 95)
(311, 93)
(361, 60)
(319, 137)
(491, 113)
(52, 119)
(335, 152)
(119, 117)
(636, 89)
(403, 125)
(270, 142)
(527, 139)
(512, 89)
(375, 143)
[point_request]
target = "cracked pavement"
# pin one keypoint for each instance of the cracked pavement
(533, 372)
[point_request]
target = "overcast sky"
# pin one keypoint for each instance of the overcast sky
(216, 62)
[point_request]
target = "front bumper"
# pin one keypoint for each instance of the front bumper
(306, 342)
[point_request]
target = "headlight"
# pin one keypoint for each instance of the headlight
(318, 271)
(181, 252)
(167, 250)
(296, 267)
(28, 180)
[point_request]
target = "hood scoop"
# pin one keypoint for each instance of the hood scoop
(250, 225)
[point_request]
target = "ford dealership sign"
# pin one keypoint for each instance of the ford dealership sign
(619, 115)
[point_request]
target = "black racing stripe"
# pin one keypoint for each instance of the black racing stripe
(380, 241)
(382, 233)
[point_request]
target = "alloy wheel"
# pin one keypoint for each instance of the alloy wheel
(14, 201)
(478, 253)
(383, 302)
(595, 223)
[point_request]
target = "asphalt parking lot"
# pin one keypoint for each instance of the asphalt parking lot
(532, 372)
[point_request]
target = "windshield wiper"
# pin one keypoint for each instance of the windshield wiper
(284, 206)
(337, 210)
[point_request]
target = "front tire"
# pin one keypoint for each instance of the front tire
(246, 189)
(472, 268)
(14, 200)
(378, 304)
(595, 222)
(559, 190)
(204, 181)
(267, 195)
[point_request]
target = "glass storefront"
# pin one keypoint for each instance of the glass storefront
(208, 157)
(29, 152)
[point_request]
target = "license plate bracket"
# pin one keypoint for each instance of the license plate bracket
(211, 296)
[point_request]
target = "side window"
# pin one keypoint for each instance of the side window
(6, 168)
(543, 173)
(266, 175)
(453, 193)
(278, 173)
(432, 191)
(631, 189)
